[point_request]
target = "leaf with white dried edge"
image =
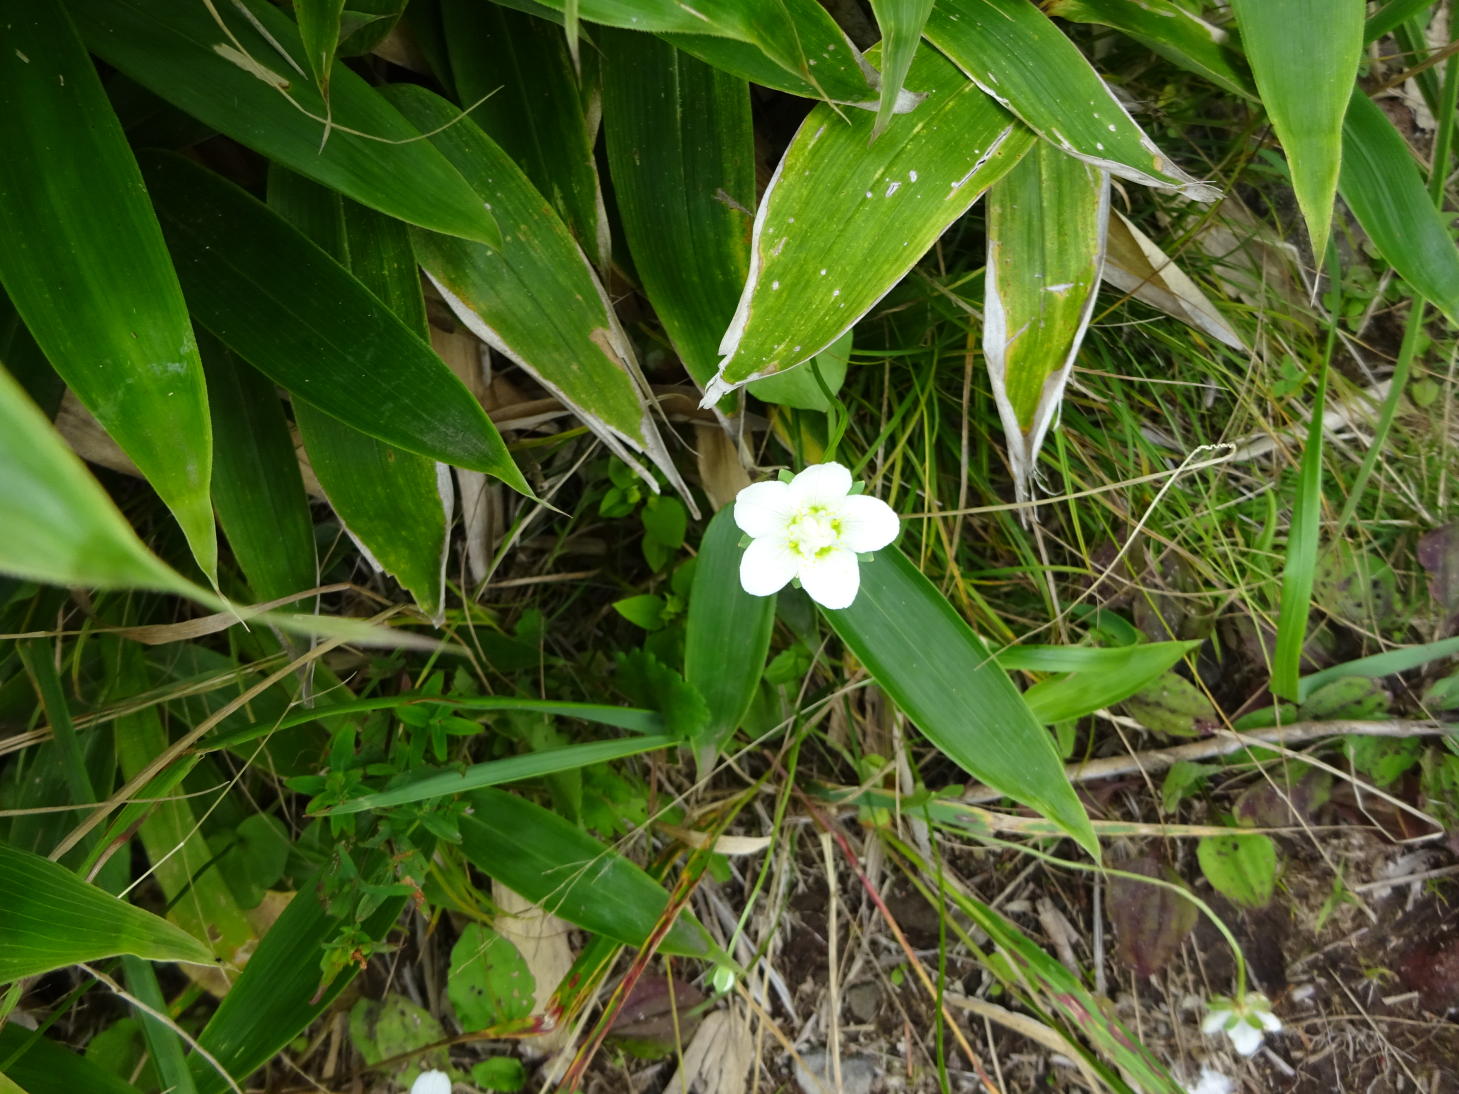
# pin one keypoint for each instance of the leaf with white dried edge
(1304, 55)
(1014, 53)
(536, 298)
(841, 223)
(1134, 264)
(1046, 229)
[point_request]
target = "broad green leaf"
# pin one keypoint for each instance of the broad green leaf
(807, 53)
(302, 320)
(806, 388)
(53, 919)
(279, 993)
(1304, 55)
(41, 1066)
(551, 862)
(257, 486)
(234, 78)
(1388, 663)
(1242, 867)
(393, 503)
(1391, 15)
(532, 765)
(199, 899)
(726, 637)
(901, 23)
(536, 299)
(944, 677)
(812, 277)
(1014, 53)
(84, 264)
(1096, 678)
(514, 74)
(1169, 30)
(1046, 230)
(1381, 184)
(318, 37)
(489, 982)
(682, 156)
(60, 526)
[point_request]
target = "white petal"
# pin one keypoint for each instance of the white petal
(1269, 1020)
(431, 1082)
(1215, 1022)
(831, 580)
(1245, 1039)
(820, 484)
(767, 566)
(867, 524)
(763, 507)
(1213, 1082)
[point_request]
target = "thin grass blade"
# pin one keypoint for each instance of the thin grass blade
(532, 765)
(228, 74)
(551, 862)
(943, 677)
(1046, 232)
(85, 265)
(536, 299)
(1304, 56)
(302, 320)
(814, 274)
(1014, 53)
(682, 157)
(1300, 568)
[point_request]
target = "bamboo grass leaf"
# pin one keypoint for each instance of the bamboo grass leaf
(1381, 184)
(297, 316)
(901, 23)
(792, 45)
(516, 76)
(41, 1066)
(319, 37)
(1304, 56)
(1015, 54)
(1046, 231)
(395, 504)
(1169, 30)
(814, 274)
(536, 299)
(257, 486)
(54, 919)
(682, 156)
(234, 78)
(84, 263)
(945, 679)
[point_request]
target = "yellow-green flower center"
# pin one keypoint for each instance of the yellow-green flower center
(814, 532)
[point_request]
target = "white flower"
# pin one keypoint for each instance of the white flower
(1245, 1022)
(811, 528)
(1212, 1082)
(431, 1082)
